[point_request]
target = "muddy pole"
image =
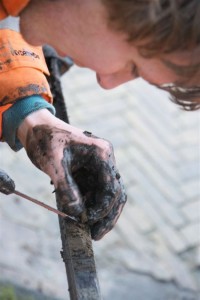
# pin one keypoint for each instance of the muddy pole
(78, 256)
(77, 252)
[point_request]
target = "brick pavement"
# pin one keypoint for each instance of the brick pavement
(157, 236)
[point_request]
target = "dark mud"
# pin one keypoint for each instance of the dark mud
(91, 178)
(100, 185)
(7, 185)
(33, 89)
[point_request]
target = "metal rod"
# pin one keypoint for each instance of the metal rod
(77, 252)
(56, 211)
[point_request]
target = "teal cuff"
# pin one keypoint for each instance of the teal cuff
(13, 117)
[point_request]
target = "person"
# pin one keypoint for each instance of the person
(120, 41)
(81, 166)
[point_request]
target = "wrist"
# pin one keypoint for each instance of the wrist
(40, 117)
(17, 113)
(44, 117)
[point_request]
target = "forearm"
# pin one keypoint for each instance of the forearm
(21, 77)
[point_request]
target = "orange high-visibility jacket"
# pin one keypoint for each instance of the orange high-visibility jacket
(22, 66)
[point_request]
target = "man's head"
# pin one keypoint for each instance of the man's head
(165, 29)
(120, 40)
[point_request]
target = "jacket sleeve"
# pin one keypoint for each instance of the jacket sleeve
(22, 71)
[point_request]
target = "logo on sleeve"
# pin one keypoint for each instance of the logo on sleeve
(24, 53)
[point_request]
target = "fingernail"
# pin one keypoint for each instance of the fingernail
(87, 133)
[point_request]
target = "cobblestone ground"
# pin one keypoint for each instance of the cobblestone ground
(154, 251)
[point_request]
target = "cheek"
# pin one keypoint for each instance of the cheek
(156, 73)
(104, 59)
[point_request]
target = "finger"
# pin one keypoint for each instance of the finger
(99, 229)
(110, 188)
(102, 192)
(68, 191)
(69, 198)
(45, 149)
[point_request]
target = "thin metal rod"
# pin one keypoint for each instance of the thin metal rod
(56, 211)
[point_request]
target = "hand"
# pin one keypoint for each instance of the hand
(82, 168)
(7, 185)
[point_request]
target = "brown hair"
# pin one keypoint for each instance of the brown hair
(160, 27)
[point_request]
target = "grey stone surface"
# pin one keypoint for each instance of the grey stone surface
(153, 252)
(143, 287)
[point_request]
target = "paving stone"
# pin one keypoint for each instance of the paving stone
(191, 189)
(136, 121)
(148, 184)
(172, 262)
(130, 235)
(157, 184)
(176, 242)
(197, 258)
(191, 259)
(192, 234)
(190, 153)
(156, 152)
(140, 219)
(138, 286)
(25, 213)
(121, 158)
(192, 211)
(189, 170)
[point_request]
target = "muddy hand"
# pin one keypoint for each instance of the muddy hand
(94, 171)
(7, 185)
(103, 192)
(82, 168)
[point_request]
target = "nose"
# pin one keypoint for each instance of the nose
(110, 81)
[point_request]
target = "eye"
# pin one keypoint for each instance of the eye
(134, 71)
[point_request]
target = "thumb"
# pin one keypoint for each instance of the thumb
(69, 197)
(67, 191)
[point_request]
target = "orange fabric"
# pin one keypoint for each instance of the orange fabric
(3, 13)
(13, 7)
(2, 109)
(22, 69)
(22, 82)
(15, 52)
